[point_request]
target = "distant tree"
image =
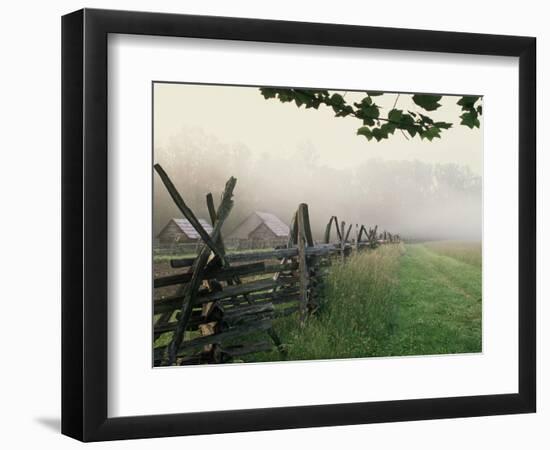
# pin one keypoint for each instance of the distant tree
(376, 126)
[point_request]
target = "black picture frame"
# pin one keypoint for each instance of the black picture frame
(84, 224)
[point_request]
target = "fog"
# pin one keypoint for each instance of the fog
(282, 155)
(417, 199)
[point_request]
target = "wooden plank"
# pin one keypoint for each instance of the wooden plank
(211, 208)
(327, 230)
(218, 338)
(242, 257)
(317, 250)
(262, 256)
(249, 310)
(361, 231)
(279, 297)
(276, 298)
(181, 262)
(213, 218)
(235, 279)
(197, 318)
(293, 235)
(198, 267)
(230, 291)
(302, 262)
(246, 288)
(348, 233)
(342, 241)
(306, 225)
(221, 274)
(338, 232)
(187, 212)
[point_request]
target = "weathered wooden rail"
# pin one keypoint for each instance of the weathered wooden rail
(223, 306)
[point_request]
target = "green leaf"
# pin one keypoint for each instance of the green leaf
(428, 102)
(286, 95)
(367, 101)
(470, 119)
(268, 93)
(371, 111)
(467, 102)
(345, 111)
(380, 133)
(336, 100)
(388, 128)
(426, 119)
(305, 97)
(300, 99)
(395, 115)
(406, 120)
(365, 131)
(412, 130)
(443, 125)
(431, 133)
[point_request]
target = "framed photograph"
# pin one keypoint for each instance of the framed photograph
(273, 224)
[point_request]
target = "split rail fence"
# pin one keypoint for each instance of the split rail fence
(225, 304)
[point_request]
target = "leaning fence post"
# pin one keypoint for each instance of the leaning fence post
(342, 239)
(327, 230)
(198, 268)
(302, 261)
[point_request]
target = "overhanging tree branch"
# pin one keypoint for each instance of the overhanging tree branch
(412, 122)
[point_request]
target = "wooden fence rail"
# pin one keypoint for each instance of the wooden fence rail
(224, 305)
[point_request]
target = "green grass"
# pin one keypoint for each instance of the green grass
(390, 302)
(465, 251)
(357, 315)
(439, 302)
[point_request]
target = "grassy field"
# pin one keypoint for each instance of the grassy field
(439, 302)
(465, 251)
(419, 299)
(357, 314)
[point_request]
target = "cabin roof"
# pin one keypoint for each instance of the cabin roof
(188, 229)
(279, 228)
(257, 218)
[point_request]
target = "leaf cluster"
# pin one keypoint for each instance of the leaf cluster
(470, 117)
(374, 125)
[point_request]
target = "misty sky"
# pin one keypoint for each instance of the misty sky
(282, 155)
(240, 115)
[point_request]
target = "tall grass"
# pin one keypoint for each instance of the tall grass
(465, 251)
(357, 314)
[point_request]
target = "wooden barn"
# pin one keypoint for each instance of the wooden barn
(261, 227)
(181, 231)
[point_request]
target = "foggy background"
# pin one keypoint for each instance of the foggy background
(282, 155)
